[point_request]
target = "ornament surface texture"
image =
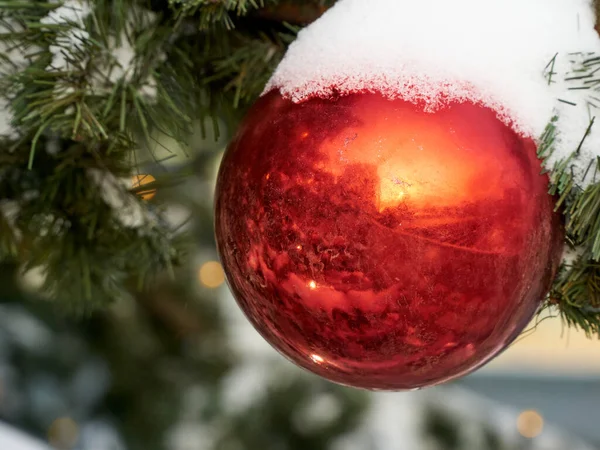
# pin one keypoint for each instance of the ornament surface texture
(380, 246)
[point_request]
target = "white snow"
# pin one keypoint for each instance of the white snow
(6, 128)
(316, 413)
(119, 59)
(25, 330)
(120, 62)
(16, 57)
(128, 210)
(13, 439)
(72, 12)
(124, 56)
(492, 52)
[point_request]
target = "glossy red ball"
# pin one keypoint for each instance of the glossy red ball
(381, 246)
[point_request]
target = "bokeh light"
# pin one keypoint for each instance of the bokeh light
(63, 433)
(211, 274)
(141, 180)
(530, 424)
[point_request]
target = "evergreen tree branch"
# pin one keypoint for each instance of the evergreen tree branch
(295, 12)
(93, 85)
(576, 289)
(245, 68)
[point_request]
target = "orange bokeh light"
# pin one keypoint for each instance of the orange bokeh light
(142, 180)
(530, 424)
(211, 274)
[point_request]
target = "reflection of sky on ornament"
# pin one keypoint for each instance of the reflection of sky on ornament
(420, 158)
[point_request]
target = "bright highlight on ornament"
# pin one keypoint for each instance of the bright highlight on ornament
(211, 274)
(141, 180)
(317, 359)
(530, 424)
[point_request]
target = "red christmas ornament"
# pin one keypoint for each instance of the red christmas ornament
(381, 246)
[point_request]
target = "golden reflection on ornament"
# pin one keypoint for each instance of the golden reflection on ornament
(141, 180)
(530, 424)
(312, 284)
(424, 175)
(393, 191)
(63, 433)
(298, 247)
(211, 274)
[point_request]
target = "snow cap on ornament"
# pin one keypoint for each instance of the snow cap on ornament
(517, 57)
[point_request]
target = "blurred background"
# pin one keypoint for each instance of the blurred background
(180, 368)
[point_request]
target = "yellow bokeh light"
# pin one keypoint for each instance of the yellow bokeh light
(63, 433)
(211, 274)
(141, 180)
(530, 424)
(312, 285)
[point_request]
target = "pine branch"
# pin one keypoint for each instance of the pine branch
(576, 289)
(295, 12)
(89, 89)
(210, 13)
(245, 68)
